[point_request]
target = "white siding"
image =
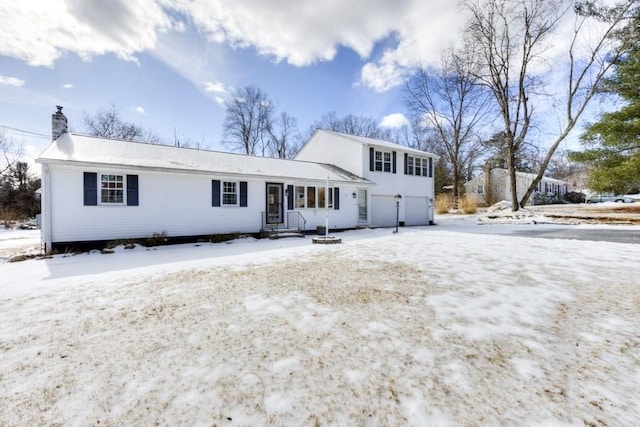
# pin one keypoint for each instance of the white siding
(353, 154)
(326, 147)
(176, 203)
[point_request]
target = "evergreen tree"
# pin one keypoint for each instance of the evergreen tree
(613, 142)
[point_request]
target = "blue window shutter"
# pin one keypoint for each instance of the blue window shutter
(243, 194)
(132, 190)
(336, 198)
(430, 167)
(393, 159)
(406, 160)
(90, 189)
(290, 197)
(215, 192)
(371, 159)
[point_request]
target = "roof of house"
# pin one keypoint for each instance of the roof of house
(79, 149)
(377, 142)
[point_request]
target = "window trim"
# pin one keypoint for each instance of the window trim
(217, 197)
(418, 166)
(383, 161)
(122, 189)
(235, 193)
(303, 202)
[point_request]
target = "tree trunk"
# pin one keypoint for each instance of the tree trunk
(513, 185)
(456, 182)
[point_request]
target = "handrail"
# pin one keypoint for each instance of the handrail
(297, 219)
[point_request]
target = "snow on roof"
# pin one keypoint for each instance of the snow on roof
(378, 142)
(72, 148)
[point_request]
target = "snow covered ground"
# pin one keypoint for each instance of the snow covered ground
(423, 327)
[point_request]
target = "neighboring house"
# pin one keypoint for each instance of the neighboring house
(97, 189)
(491, 187)
(394, 169)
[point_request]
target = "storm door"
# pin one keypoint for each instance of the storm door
(362, 206)
(274, 203)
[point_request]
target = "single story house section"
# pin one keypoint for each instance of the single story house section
(494, 185)
(97, 189)
(395, 169)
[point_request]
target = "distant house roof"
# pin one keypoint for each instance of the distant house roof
(524, 175)
(378, 142)
(79, 149)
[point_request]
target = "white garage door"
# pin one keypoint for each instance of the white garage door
(415, 211)
(383, 211)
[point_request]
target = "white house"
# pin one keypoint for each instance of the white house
(97, 189)
(394, 169)
(495, 185)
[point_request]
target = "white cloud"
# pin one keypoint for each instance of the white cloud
(393, 121)
(215, 87)
(11, 81)
(40, 32)
(219, 100)
(140, 110)
(298, 32)
(67, 86)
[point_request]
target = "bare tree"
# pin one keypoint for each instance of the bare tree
(513, 38)
(107, 123)
(451, 103)
(186, 142)
(248, 120)
(283, 134)
(349, 124)
(11, 152)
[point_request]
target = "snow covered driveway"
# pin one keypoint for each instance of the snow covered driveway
(424, 327)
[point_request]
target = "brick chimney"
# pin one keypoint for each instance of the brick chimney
(58, 123)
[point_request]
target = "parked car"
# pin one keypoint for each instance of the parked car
(597, 198)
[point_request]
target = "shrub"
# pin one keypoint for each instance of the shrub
(156, 239)
(443, 203)
(467, 204)
(575, 197)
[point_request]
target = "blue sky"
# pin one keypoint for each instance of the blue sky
(168, 65)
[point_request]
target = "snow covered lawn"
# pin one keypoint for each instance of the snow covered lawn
(424, 327)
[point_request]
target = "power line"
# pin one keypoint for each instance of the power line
(41, 135)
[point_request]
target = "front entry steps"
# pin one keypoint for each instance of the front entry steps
(279, 233)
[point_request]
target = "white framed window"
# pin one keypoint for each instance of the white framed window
(111, 189)
(480, 189)
(387, 161)
(229, 193)
(312, 197)
(379, 161)
(419, 166)
(383, 161)
(299, 197)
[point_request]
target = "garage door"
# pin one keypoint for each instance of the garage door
(383, 211)
(415, 211)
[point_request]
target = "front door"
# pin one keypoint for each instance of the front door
(362, 206)
(274, 203)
